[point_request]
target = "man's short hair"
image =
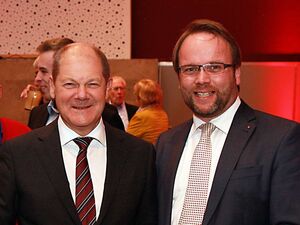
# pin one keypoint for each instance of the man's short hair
(115, 78)
(212, 27)
(53, 44)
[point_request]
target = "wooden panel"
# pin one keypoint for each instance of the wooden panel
(173, 102)
(134, 70)
(16, 73)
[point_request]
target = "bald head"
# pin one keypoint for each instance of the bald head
(78, 50)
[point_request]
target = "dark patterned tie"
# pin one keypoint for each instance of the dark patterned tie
(85, 201)
(196, 193)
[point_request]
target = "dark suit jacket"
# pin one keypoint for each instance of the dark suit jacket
(131, 109)
(110, 115)
(34, 186)
(39, 115)
(257, 181)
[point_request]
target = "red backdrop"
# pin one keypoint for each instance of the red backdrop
(267, 30)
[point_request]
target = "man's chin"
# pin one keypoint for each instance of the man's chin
(205, 111)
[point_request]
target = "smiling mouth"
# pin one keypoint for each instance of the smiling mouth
(81, 107)
(204, 94)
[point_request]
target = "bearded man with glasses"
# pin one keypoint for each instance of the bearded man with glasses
(229, 164)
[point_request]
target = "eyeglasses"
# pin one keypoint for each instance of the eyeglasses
(210, 68)
(118, 88)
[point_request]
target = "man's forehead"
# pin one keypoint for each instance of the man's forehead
(39, 66)
(48, 55)
(118, 83)
(44, 58)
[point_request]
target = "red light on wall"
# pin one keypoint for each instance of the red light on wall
(281, 27)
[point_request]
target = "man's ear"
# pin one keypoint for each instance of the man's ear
(237, 75)
(52, 87)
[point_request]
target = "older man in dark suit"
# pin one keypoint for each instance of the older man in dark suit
(45, 113)
(116, 94)
(230, 164)
(78, 170)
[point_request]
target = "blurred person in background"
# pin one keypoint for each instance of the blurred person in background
(116, 94)
(46, 112)
(150, 120)
(43, 66)
(10, 128)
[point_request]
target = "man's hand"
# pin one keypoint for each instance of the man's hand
(24, 93)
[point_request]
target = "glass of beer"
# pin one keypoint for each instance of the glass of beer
(33, 99)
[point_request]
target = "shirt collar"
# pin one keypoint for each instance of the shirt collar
(66, 134)
(51, 108)
(222, 122)
(122, 106)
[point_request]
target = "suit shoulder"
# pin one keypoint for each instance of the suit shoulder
(29, 137)
(179, 128)
(274, 121)
(264, 122)
(114, 133)
(130, 106)
(39, 108)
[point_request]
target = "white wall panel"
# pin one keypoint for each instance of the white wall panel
(25, 24)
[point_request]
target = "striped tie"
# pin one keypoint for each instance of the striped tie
(85, 201)
(196, 194)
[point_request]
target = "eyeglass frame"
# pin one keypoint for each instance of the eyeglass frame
(117, 88)
(204, 66)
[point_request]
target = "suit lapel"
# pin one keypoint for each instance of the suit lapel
(44, 115)
(176, 146)
(131, 109)
(116, 158)
(49, 152)
(241, 129)
(40, 116)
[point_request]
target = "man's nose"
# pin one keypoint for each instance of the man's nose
(82, 91)
(38, 76)
(202, 76)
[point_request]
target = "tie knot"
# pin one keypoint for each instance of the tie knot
(207, 128)
(83, 142)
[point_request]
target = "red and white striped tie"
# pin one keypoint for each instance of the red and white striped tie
(196, 193)
(85, 201)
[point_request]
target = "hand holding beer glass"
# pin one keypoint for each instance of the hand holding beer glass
(33, 98)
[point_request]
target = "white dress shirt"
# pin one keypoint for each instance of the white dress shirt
(222, 123)
(52, 111)
(96, 156)
(123, 114)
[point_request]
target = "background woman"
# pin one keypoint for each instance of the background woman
(150, 120)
